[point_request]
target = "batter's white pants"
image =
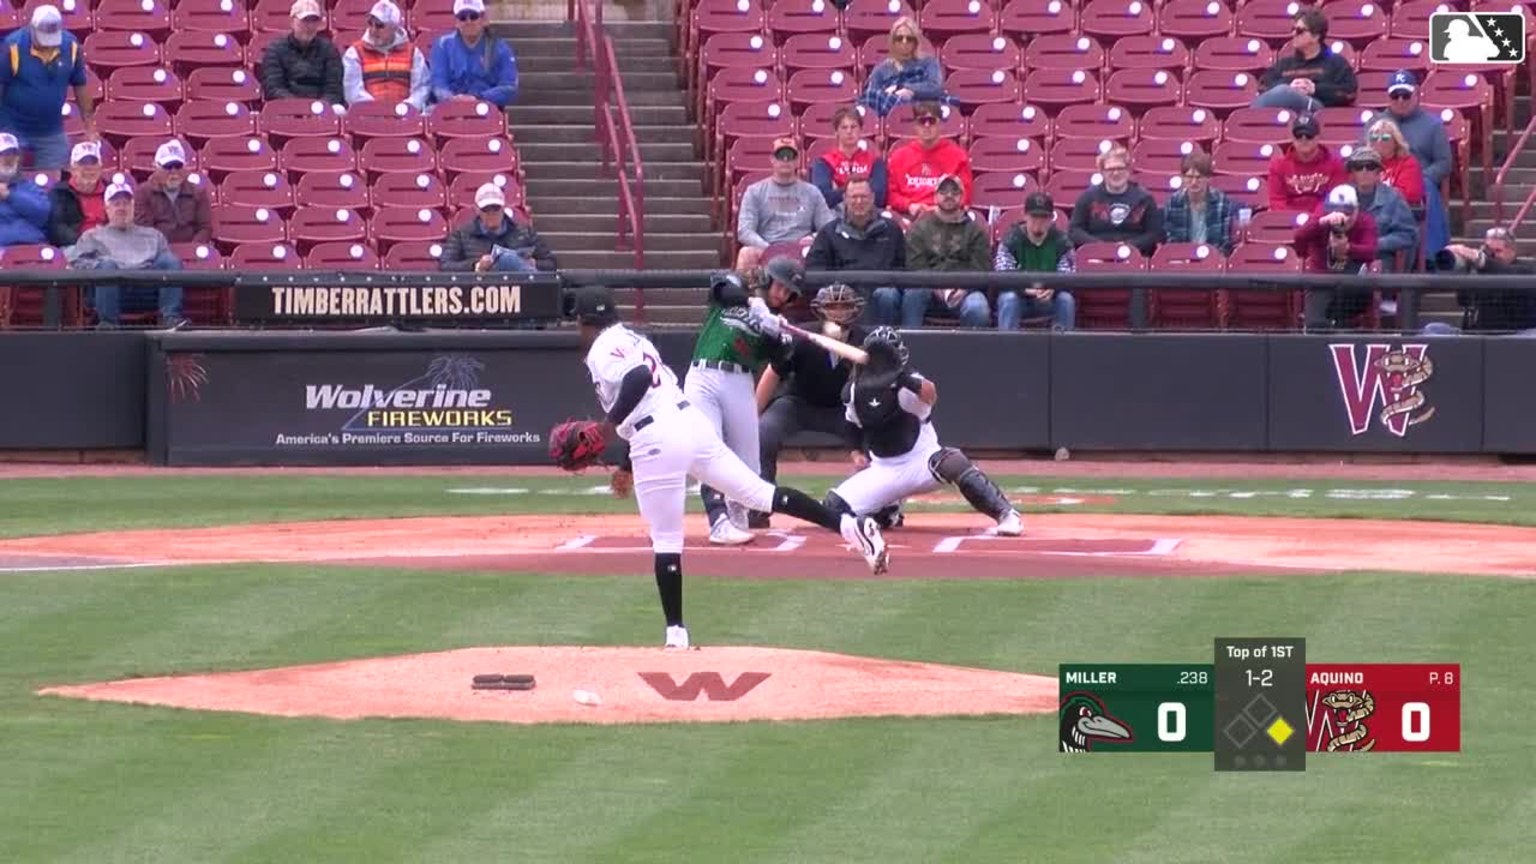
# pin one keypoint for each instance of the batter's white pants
(729, 400)
(886, 481)
(676, 444)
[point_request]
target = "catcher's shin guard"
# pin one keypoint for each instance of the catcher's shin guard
(949, 465)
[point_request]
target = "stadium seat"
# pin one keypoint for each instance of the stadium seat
(980, 51)
(1003, 190)
(943, 18)
(491, 155)
(351, 16)
(283, 120)
(861, 21)
(1234, 54)
(223, 156)
(106, 50)
(189, 50)
(394, 155)
(1249, 192)
(1159, 184)
(312, 224)
(972, 87)
(1146, 51)
(899, 124)
(1346, 52)
(1012, 122)
(1390, 53)
(788, 18)
(1062, 51)
(421, 16)
(1180, 123)
(1220, 91)
(1077, 154)
(1162, 155)
(465, 120)
(269, 189)
(411, 193)
(1270, 20)
(1343, 125)
(709, 17)
(810, 86)
(211, 16)
(739, 84)
(1106, 308)
(1096, 123)
(342, 256)
(120, 122)
(1033, 19)
(328, 155)
(135, 16)
(1194, 20)
(1411, 20)
(204, 306)
(239, 224)
(995, 153)
(23, 307)
(1110, 19)
(818, 51)
(147, 84)
(1469, 93)
(744, 50)
(1056, 87)
(1276, 227)
(1065, 187)
(393, 225)
(223, 84)
(1357, 22)
(414, 257)
(1243, 158)
(1174, 309)
(1261, 125)
(265, 256)
(1259, 308)
(346, 189)
(383, 120)
(1139, 89)
(199, 121)
(79, 16)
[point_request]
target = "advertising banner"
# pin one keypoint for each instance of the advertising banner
(465, 304)
(339, 407)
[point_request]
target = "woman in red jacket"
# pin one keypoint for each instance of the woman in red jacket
(1399, 168)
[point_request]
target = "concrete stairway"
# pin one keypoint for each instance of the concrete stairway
(574, 206)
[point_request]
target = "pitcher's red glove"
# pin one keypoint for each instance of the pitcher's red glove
(577, 444)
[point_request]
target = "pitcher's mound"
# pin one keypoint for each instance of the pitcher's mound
(634, 685)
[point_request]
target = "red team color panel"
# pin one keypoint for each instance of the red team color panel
(1387, 708)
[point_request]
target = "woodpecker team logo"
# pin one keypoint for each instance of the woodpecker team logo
(1390, 377)
(1477, 37)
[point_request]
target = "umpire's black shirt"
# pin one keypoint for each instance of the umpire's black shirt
(815, 375)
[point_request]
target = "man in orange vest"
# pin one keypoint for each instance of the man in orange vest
(384, 65)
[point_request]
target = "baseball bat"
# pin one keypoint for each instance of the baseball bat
(841, 349)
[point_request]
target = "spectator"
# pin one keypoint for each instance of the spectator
(23, 206)
(1303, 171)
(468, 65)
(384, 65)
(780, 209)
(1036, 246)
(1312, 77)
(1398, 167)
(863, 239)
(1425, 133)
(947, 239)
(122, 245)
(1198, 213)
(1396, 232)
(1505, 310)
(916, 166)
(182, 211)
(76, 205)
(493, 241)
(1117, 210)
(44, 62)
(1340, 240)
(304, 64)
(907, 74)
(851, 157)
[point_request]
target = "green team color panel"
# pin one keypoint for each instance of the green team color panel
(1136, 708)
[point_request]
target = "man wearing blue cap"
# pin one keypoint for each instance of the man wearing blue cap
(1425, 132)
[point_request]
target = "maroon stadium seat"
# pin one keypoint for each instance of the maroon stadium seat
(201, 120)
(410, 192)
(394, 225)
(327, 155)
(1058, 87)
(1411, 20)
(106, 50)
(414, 257)
(1146, 51)
(239, 224)
(1106, 308)
(312, 224)
(1275, 227)
(223, 84)
(1096, 122)
(1077, 154)
(788, 18)
(974, 87)
(147, 84)
(1243, 158)
(1110, 19)
(1260, 125)
(1033, 19)
(811, 86)
(1139, 89)
(343, 256)
(120, 122)
(1262, 309)
(746, 50)
(375, 119)
(1234, 54)
(465, 120)
(393, 155)
(1002, 189)
(943, 18)
(1391, 53)
(1220, 91)
(265, 256)
(709, 17)
(1162, 155)
(1067, 51)
(1270, 20)
(269, 189)
(224, 17)
(980, 51)
(739, 84)
(1180, 123)
(995, 153)
(1194, 20)
(491, 155)
(1065, 187)
(134, 16)
(23, 307)
(1011, 121)
(346, 189)
(1186, 310)
(189, 50)
(283, 120)
(818, 51)
(204, 306)
(1342, 125)
(1250, 192)
(223, 156)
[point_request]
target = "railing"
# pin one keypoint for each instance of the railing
(1498, 180)
(615, 129)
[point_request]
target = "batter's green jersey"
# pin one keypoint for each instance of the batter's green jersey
(728, 336)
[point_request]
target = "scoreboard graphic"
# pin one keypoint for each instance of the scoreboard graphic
(1259, 707)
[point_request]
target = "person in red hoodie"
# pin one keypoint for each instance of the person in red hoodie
(1340, 238)
(851, 157)
(916, 166)
(1303, 172)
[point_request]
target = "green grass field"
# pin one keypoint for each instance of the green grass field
(95, 782)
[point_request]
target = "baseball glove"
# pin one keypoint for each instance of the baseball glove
(576, 444)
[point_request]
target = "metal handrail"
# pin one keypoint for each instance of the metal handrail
(1498, 180)
(627, 136)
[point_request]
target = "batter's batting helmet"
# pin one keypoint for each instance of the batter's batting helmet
(838, 303)
(788, 272)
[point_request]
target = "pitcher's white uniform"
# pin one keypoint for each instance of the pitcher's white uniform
(888, 479)
(668, 439)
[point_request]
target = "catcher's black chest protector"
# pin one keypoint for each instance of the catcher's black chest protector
(889, 429)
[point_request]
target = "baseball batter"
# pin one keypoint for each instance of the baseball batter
(891, 404)
(669, 440)
(739, 335)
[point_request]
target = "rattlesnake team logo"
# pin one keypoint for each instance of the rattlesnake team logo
(1336, 721)
(1391, 377)
(1084, 721)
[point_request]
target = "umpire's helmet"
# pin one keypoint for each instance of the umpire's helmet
(838, 303)
(886, 341)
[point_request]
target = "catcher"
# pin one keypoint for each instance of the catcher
(890, 404)
(668, 440)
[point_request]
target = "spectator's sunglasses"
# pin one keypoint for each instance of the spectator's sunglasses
(1369, 166)
(1115, 169)
(1303, 136)
(903, 37)
(1192, 176)
(1400, 96)
(173, 166)
(468, 15)
(1299, 30)
(927, 120)
(491, 208)
(1382, 136)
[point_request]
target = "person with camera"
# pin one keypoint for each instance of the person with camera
(1340, 238)
(1506, 310)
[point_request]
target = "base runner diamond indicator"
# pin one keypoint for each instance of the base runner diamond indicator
(1280, 730)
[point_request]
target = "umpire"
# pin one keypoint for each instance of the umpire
(812, 384)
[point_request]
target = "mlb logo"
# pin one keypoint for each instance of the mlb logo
(1477, 37)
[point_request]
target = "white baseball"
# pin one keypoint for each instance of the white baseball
(831, 329)
(587, 697)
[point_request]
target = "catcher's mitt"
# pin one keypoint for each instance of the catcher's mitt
(576, 444)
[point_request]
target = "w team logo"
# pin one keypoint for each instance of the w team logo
(1390, 378)
(1477, 37)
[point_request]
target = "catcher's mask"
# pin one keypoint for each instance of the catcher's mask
(594, 306)
(838, 303)
(886, 350)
